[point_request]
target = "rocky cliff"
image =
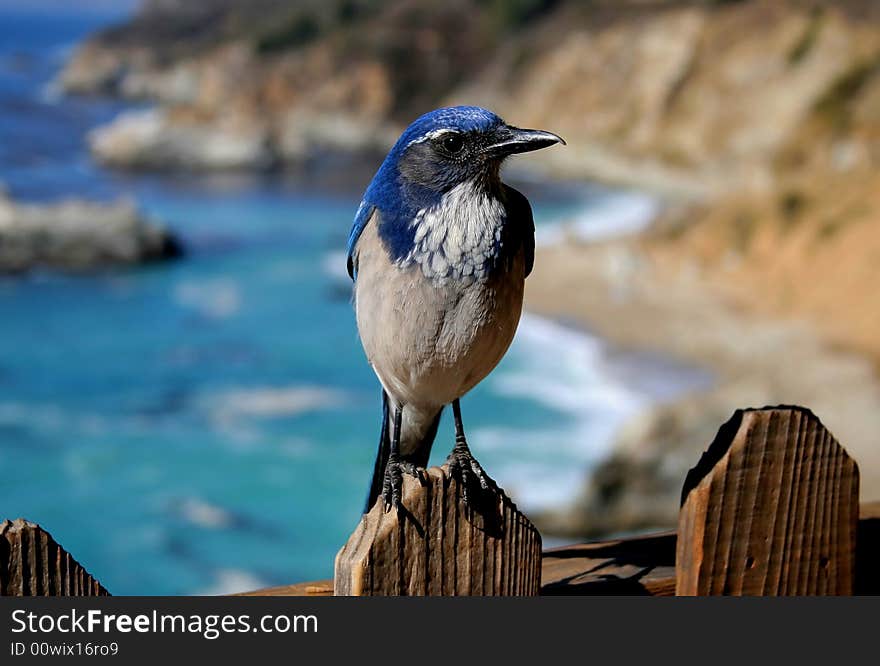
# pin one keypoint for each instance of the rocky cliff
(689, 97)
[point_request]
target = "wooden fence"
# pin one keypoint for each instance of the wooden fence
(771, 508)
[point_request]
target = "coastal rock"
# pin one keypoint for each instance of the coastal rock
(78, 235)
(152, 140)
(305, 136)
(291, 82)
(94, 70)
(692, 99)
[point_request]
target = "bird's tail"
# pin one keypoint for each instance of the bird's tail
(381, 456)
(416, 444)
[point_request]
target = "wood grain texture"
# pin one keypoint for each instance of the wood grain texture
(438, 546)
(33, 564)
(642, 565)
(770, 509)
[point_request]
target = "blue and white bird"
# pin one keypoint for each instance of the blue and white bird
(439, 253)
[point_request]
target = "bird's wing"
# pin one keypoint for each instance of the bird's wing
(520, 212)
(361, 219)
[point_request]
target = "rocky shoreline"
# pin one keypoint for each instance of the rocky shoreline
(630, 296)
(714, 91)
(78, 236)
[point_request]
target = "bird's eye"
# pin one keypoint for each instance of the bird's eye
(453, 143)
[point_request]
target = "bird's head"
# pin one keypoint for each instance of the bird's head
(453, 145)
(440, 151)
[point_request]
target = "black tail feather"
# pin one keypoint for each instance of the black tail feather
(381, 457)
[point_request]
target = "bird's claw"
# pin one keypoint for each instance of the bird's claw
(392, 484)
(464, 466)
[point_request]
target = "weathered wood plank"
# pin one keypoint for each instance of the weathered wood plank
(437, 545)
(643, 565)
(771, 508)
(33, 564)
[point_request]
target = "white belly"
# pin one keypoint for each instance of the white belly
(430, 343)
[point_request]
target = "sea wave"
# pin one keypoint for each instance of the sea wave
(51, 418)
(232, 581)
(571, 373)
(201, 513)
(215, 299)
(593, 388)
(271, 401)
(603, 216)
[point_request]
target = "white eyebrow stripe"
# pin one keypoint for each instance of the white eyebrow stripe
(433, 134)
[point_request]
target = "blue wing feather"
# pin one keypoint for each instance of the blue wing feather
(361, 219)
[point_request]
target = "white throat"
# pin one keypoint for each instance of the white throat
(459, 238)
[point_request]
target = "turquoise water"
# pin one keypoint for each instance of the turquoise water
(209, 425)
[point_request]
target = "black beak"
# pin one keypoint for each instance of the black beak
(511, 140)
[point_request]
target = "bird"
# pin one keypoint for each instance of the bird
(438, 254)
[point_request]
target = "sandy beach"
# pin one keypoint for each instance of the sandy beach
(641, 301)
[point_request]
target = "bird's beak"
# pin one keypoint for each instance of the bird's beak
(511, 140)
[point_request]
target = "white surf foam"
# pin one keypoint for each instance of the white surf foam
(604, 215)
(570, 373)
(215, 299)
(272, 401)
(200, 513)
(232, 581)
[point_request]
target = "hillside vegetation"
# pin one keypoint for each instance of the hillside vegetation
(764, 113)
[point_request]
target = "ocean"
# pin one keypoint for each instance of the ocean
(209, 425)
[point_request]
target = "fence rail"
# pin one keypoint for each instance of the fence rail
(770, 508)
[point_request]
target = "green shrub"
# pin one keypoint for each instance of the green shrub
(297, 31)
(807, 40)
(791, 204)
(511, 15)
(835, 103)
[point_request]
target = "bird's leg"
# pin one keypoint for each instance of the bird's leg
(462, 462)
(393, 482)
(392, 485)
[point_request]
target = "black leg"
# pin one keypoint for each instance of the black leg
(393, 484)
(462, 462)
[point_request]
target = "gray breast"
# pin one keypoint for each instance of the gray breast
(433, 330)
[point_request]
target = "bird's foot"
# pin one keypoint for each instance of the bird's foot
(475, 483)
(392, 485)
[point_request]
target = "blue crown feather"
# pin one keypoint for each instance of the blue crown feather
(384, 192)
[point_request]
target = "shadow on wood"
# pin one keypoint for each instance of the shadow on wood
(638, 566)
(32, 564)
(868, 550)
(642, 565)
(438, 546)
(770, 509)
